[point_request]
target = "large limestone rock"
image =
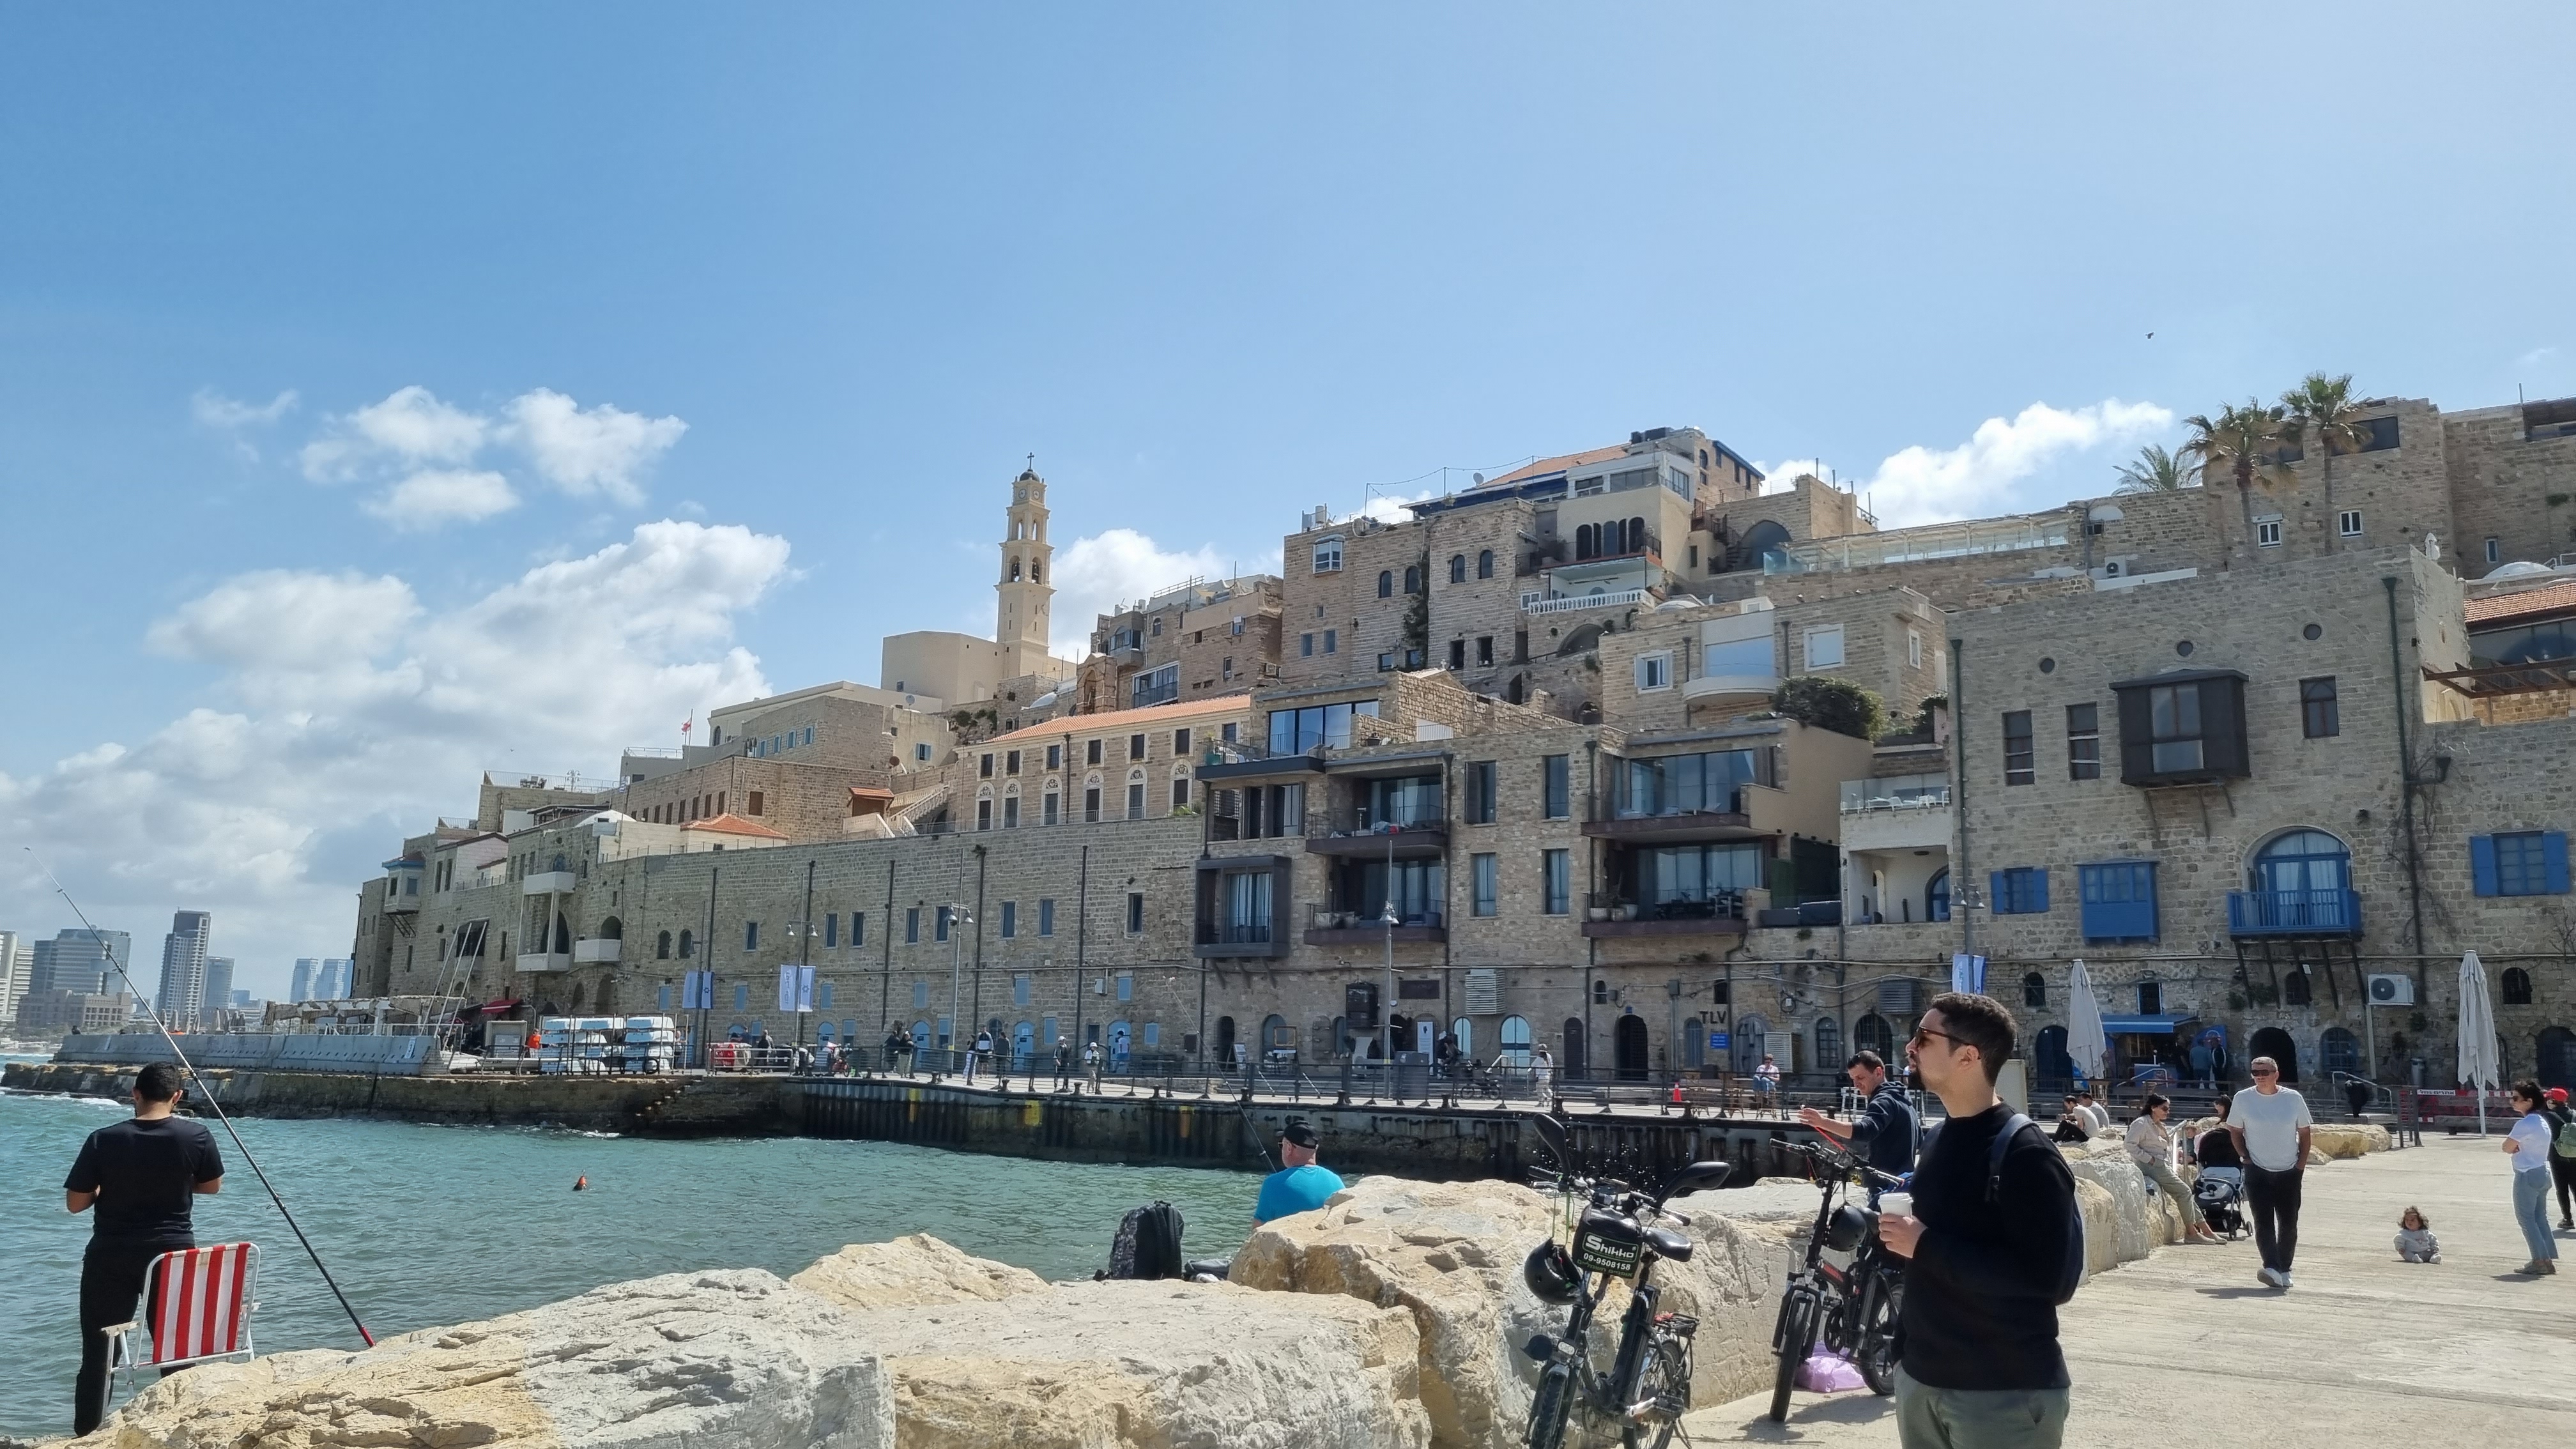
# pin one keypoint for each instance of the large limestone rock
(1133, 1365)
(1449, 1254)
(2347, 1139)
(910, 1270)
(2136, 1224)
(734, 1357)
(2101, 1226)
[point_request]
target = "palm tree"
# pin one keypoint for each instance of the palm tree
(2157, 471)
(2237, 437)
(2324, 408)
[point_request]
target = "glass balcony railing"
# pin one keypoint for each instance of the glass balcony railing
(1895, 792)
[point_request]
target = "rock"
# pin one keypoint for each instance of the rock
(911, 1270)
(2317, 1158)
(2106, 1164)
(1450, 1254)
(2344, 1140)
(734, 1357)
(1139, 1365)
(2101, 1226)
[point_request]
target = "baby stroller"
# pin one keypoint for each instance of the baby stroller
(2221, 1195)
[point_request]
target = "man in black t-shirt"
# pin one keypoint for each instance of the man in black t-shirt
(138, 1180)
(1979, 1365)
(1886, 1132)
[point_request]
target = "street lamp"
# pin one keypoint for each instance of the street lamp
(958, 920)
(1386, 1006)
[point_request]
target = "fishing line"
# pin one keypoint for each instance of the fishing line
(190, 1069)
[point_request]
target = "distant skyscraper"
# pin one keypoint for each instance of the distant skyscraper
(218, 992)
(77, 960)
(17, 967)
(181, 999)
(302, 988)
(336, 976)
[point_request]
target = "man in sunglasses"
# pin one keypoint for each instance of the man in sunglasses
(1988, 1250)
(2272, 1127)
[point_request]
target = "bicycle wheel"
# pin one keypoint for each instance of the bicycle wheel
(1792, 1337)
(1548, 1409)
(1875, 1346)
(1667, 1378)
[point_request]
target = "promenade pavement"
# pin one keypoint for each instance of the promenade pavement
(2185, 1348)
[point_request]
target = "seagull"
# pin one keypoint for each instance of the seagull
(2151, 337)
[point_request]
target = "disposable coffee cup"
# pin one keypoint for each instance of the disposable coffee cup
(1896, 1204)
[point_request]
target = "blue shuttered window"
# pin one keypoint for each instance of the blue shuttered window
(2519, 863)
(2119, 900)
(2020, 891)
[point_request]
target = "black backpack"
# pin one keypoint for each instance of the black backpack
(2070, 1273)
(1147, 1244)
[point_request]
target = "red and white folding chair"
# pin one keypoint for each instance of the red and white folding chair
(200, 1302)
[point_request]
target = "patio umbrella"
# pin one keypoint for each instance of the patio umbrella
(2478, 1065)
(2086, 1044)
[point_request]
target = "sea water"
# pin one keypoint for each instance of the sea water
(424, 1225)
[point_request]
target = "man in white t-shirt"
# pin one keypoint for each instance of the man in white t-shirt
(2271, 1127)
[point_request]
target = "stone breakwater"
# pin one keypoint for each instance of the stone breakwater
(1390, 1317)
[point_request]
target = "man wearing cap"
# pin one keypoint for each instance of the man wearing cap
(1301, 1184)
(2562, 1162)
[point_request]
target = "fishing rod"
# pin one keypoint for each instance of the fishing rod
(189, 1068)
(1255, 1129)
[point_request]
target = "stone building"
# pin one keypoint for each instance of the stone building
(1190, 641)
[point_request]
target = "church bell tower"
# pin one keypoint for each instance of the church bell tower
(1021, 616)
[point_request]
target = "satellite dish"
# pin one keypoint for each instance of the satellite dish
(1479, 477)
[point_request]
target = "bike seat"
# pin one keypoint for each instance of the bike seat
(1669, 1244)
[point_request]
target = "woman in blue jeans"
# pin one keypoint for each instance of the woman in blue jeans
(2528, 1145)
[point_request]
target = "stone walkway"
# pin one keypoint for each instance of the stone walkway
(2185, 1349)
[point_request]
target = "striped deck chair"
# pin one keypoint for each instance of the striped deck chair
(199, 1302)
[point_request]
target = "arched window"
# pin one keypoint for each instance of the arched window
(1463, 1032)
(1413, 578)
(2034, 990)
(1587, 541)
(1872, 1034)
(1516, 1040)
(1274, 1033)
(1694, 1043)
(688, 946)
(1024, 1045)
(576, 997)
(612, 929)
(1829, 1039)
(1386, 583)
(2296, 863)
(1457, 568)
(1635, 542)
(2340, 1050)
(1936, 897)
(2517, 986)
(2294, 988)
(1034, 566)
(1485, 564)
(1015, 571)
(662, 947)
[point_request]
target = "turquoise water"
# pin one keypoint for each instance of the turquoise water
(435, 1225)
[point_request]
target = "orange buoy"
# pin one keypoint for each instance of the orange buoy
(580, 1184)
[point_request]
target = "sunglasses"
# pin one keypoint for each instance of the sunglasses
(1924, 1034)
(2267, 1071)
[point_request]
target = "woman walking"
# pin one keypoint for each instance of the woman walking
(2528, 1145)
(2151, 1146)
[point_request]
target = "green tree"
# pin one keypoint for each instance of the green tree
(2235, 440)
(2157, 471)
(1825, 703)
(2322, 412)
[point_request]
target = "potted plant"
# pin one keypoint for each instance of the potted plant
(1596, 913)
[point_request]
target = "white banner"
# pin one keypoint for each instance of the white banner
(796, 988)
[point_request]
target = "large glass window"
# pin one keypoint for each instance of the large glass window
(2320, 717)
(1247, 906)
(1413, 800)
(1737, 657)
(2020, 766)
(2302, 860)
(1558, 775)
(1686, 784)
(1697, 873)
(2524, 643)
(1488, 888)
(2083, 742)
(1415, 886)
(1556, 879)
(1298, 731)
(2173, 722)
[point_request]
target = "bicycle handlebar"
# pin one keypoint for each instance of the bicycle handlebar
(1848, 1163)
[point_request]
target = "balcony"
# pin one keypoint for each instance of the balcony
(1722, 914)
(1362, 928)
(546, 961)
(596, 951)
(549, 883)
(2320, 913)
(398, 904)
(1677, 828)
(1409, 841)
(1620, 599)
(1242, 760)
(1730, 686)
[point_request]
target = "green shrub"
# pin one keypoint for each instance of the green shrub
(1832, 704)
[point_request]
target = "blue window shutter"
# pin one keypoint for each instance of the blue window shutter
(2152, 909)
(2039, 889)
(1995, 894)
(2553, 859)
(2482, 864)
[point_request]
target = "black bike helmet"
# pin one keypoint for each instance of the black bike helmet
(1848, 1227)
(1551, 1274)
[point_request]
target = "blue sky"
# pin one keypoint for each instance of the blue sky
(807, 283)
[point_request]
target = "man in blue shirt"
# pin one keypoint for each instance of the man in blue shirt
(1886, 1133)
(1301, 1184)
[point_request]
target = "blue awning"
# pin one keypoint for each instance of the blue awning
(2165, 1025)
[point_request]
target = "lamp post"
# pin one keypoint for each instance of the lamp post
(958, 920)
(1386, 1006)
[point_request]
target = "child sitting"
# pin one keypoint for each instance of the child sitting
(2415, 1240)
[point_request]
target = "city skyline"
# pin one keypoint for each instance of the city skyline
(374, 524)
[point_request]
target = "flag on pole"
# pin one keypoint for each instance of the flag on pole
(1968, 975)
(796, 988)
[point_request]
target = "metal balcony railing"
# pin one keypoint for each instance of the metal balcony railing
(2294, 913)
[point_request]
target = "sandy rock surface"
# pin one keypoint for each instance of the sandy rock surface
(909, 1270)
(735, 1357)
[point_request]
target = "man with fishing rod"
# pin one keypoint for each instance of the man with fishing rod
(141, 1177)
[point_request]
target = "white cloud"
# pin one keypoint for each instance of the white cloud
(214, 410)
(436, 496)
(1389, 508)
(1984, 475)
(1095, 573)
(409, 428)
(346, 714)
(598, 450)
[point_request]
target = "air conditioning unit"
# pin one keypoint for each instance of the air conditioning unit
(2392, 990)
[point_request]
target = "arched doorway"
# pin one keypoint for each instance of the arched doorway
(1573, 1057)
(2299, 878)
(1758, 540)
(1936, 896)
(2557, 1057)
(1872, 1034)
(1750, 1032)
(1024, 1045)
(1225, 1040)
(1119, 1041)
(1629, 1040)
(1516, 1040)
(2275, 1043)
(1274, 1036)
(2049, 1060)
(1463, 1033)
(1694, 1044)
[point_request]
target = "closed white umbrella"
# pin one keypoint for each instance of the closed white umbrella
(2479, 1057)
(2086, 1042)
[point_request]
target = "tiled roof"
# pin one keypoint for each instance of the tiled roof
(2550, 600)
(1558, 464)
(732, 824)
(1117, 719)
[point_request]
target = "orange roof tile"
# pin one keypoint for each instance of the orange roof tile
(2515, 606)
(732, 824)
(1556, 464)
(1083, 724)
